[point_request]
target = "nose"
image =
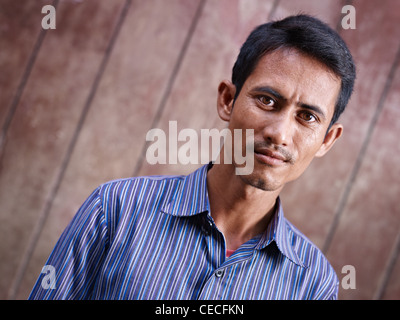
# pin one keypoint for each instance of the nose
(278, 128)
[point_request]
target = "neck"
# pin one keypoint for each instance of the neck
(239, 210)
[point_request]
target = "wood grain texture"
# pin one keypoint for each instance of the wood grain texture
(45, 119)
(367, 232)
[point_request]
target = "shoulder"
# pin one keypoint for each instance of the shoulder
(175, 194)
(129, 186)
(320, 274)
(127, 196)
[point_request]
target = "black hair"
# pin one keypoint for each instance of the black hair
(307, 34)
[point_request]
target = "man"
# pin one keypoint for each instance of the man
(215, 234)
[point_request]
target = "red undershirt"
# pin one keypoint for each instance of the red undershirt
(229, 253)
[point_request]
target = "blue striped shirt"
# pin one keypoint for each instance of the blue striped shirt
(154, 238)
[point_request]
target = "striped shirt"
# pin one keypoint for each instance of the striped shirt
(154, 238)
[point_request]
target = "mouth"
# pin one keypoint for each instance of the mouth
(270, 158)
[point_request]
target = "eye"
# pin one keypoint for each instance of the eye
(267, 101)
(308, 117)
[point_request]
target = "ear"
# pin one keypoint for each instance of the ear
(331, 137)
(226, 95)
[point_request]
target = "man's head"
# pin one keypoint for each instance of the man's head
(305, 34)
(290, 84)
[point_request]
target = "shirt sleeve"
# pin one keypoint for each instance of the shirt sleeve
(328, 288)
(71, 270)
(333, 294)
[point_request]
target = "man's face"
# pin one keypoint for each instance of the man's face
(289, 100)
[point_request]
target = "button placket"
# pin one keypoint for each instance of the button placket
(205, 231)
(207, 227)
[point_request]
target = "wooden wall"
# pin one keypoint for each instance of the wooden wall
(76, 104)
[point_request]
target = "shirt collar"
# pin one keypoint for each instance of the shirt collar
(191, 198)
(279, 231)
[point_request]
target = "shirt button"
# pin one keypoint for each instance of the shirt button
(219, 273)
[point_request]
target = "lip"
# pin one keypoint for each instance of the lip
(270, 157)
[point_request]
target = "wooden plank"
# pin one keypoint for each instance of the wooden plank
(391, 288)
(126, 101)
(20, 26)
(45, 120)
(370, 223)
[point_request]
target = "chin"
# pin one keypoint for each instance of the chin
(262, 183)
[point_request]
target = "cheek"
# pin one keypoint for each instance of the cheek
(307, 146)
(244, 110)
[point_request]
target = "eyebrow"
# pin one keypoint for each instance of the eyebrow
(276, 94)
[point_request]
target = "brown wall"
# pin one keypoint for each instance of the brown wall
(76, 104)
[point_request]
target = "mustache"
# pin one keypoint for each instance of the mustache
(287, 155)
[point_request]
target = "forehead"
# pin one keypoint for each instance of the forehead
(297, 76)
